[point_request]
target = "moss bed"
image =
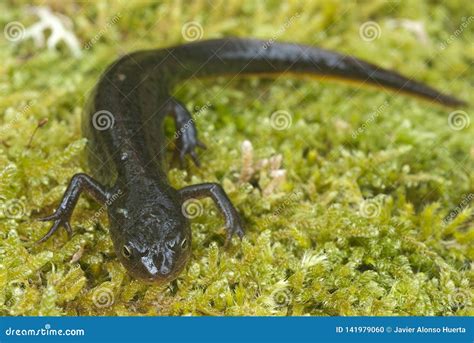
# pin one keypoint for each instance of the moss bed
(373, 217)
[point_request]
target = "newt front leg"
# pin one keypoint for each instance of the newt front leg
(217, 193)
(79, 183)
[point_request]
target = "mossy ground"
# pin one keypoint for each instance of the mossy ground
(316, 253)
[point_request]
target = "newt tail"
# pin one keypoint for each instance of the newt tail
(242, 57)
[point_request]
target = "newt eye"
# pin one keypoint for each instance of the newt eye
(126, 252)
(184, 244)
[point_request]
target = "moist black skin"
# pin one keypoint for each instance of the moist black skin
(151, 235)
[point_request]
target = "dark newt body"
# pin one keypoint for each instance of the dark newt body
(123, 123)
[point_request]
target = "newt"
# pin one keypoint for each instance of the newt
(123, 123)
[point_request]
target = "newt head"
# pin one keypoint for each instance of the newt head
(151, 236)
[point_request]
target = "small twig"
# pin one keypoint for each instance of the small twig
(271, 166)
(41, 123)
(278, 177)
(247, 162)
(415, 27)
(60, 27)
(77, 255)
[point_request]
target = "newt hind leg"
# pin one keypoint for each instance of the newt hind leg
(186, 133)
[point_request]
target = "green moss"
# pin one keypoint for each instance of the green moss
(366, 233)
